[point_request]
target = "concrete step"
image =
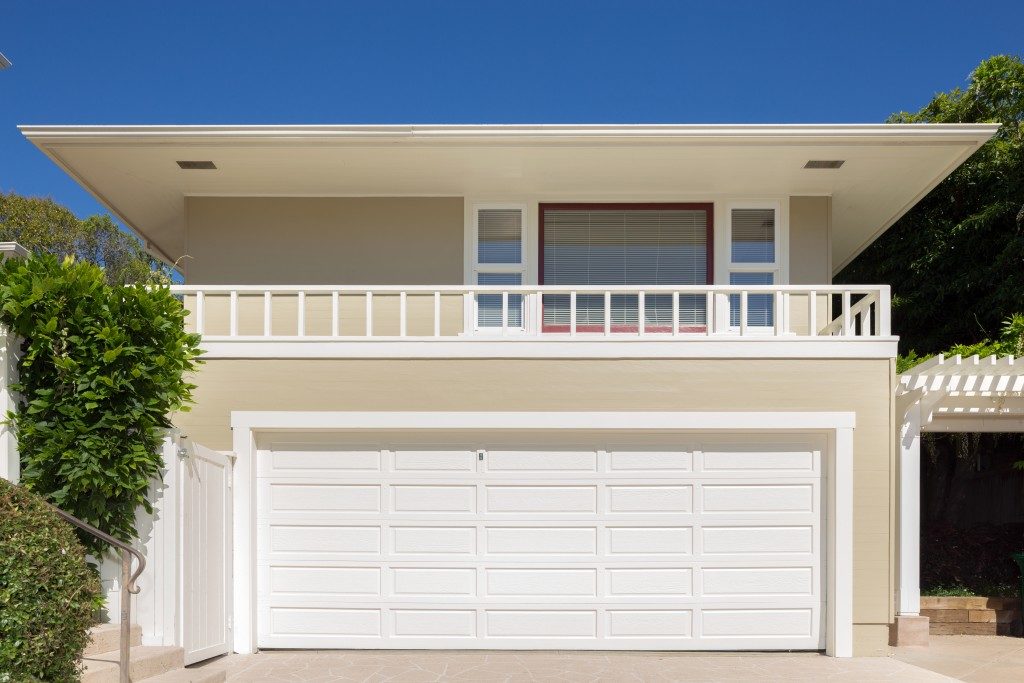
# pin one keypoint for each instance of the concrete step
(189, 676)
(147, 661)
(107, 637)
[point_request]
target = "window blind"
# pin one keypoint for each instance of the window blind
(596, 246)
(499, 236)
(753, 236)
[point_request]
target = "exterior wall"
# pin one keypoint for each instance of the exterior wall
(862, 386)
(810, 250)
(324, 240)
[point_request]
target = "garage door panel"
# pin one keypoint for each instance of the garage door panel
(651, 543)
(433, 499)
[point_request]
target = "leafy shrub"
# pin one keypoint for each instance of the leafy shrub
(101, 369)
(47, 591)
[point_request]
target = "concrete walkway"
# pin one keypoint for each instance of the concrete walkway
(969, 658)
(513, 667)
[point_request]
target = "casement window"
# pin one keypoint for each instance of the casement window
(499, 259)
(625, 244)
(754, 251)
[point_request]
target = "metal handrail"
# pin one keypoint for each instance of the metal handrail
(128, 585)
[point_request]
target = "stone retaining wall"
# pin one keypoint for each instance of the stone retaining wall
(972, 616)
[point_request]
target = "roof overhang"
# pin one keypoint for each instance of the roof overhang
(888, 168)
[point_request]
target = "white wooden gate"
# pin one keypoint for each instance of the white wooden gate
(206, 554)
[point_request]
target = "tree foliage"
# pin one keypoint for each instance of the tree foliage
(956, 260)
(101, 369)
(41, 225)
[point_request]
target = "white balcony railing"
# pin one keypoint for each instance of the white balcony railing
(352, 313)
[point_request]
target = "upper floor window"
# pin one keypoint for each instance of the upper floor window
(500, 233)
(754, 260)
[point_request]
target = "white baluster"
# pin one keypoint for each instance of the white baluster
(233, 315)
(369, 314)
(709, 312)
(780, 313)
(437, 314)
(847, 320)
(675, 314)
(335, 314)
(401, 314)
(743, 312)
(268, 314)
(812, 313)
(607, 314)
(302, 314)
(504, 313)
(641, 314)
(200, 312)
(572, 313)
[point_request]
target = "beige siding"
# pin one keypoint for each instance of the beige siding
(863, 386)
(318, 240)
(809, 251)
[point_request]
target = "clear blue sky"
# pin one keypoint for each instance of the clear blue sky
(290, 61)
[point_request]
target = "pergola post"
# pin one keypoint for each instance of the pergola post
(910, 628)
(10, 465)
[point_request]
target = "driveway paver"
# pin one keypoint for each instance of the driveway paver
(969, 658)
(404, 666)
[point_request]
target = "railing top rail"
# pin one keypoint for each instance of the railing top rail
(525, 289)
(107, 538)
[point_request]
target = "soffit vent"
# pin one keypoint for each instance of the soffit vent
(197, 165)
(824, 163)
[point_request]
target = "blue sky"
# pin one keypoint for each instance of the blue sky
(475, 62)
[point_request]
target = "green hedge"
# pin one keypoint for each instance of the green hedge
(47, 591)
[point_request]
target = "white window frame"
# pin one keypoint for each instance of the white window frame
(476, 268)
(779, 268)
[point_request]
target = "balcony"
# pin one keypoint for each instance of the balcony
(343, 320)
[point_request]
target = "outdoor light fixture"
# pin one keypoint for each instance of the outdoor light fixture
(197, 165)
(824, 163)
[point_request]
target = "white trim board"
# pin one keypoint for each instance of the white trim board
(753, 346)
(838, 426)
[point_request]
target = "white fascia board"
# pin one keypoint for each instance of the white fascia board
(979, 132)
(493, 348)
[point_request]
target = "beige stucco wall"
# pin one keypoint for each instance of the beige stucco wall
(809, 249)
(862, 386)
(324, 240)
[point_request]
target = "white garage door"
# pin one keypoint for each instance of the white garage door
(630, 542)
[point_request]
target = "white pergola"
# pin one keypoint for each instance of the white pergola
(955, 394)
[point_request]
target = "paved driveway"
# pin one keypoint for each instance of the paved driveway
(513, 667)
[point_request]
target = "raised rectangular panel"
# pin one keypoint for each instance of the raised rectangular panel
(435, 461)
(678, 499)
(423, 540)
(541, 623)
(434, 498)
(541, 461)
(324, 498)
(758, 539)
(324, 539)
(653, 540)
(435, 622)
(627, 582)
(542, 499)
(325, 580)
(650, 623)
(758, 498)
(758, 581)
(526, 581)
(680, 461)
(541, 541)
(738, 623)
(324, 622)
(340, 461)
(429, 581)
(744, 458)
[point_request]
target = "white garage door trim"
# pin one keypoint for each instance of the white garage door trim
(836, 426)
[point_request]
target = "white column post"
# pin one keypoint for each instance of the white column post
(10, 465)
(909, 505)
